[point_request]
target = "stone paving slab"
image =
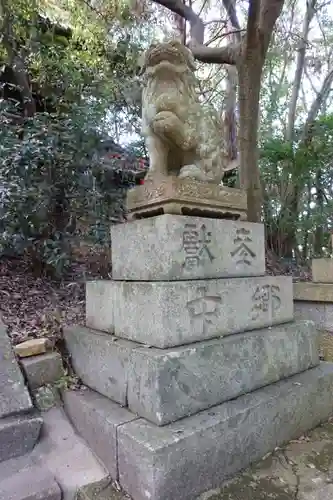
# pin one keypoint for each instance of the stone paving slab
(64, 453)
(168, 314)
(165, 385)
(193, 455)
(302, 470)
(29, 483)
(14, 395)
(175, 247)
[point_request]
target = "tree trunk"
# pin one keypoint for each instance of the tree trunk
(249, 74)
(319, 231)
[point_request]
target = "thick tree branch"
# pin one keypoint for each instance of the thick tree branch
(270, 10)
(218, 55)
(300, 64)
(317, 104)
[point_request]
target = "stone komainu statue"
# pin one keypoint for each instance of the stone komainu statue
(182, 137)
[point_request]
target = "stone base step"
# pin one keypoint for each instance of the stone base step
(164, 385)
(18, 435)
(67, 457)
(175, 313)
(21, 479)
(181, 460)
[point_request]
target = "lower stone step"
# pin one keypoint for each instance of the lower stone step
(181, 460)
(18, 435)
(164, 385)
(67, 456)
(25, 481)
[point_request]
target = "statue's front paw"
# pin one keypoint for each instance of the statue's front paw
(192, 172)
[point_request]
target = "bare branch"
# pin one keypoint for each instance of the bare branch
(217, 55)
(300, 63)
(317, 104)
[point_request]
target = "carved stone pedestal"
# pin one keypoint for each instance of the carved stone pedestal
(197, 343)
(172, 195)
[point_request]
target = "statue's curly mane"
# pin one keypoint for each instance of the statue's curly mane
(175, 58)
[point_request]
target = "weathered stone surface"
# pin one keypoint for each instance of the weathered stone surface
(43, 369)
(101, 361)
(14, 396)
(100, 304)
(319, 312)
(97, 419)
(322, 270)
(167, 314)
(174, 247)
(18, 435)
(180, 133)
(32, 347)
(313, 292)
(172, 195)
(31, 483)
(165, 385)
(63, 452)
(196, 454)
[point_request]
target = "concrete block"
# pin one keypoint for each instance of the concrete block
(97, 419)
(100, 296)
(196, 454)
(166, 385)
(32, 347)
(167, 314)
(31, 483)
(43, 369)
(322, 270)
(100, 360)
(18, 435)
(176, 247)
(14, 396)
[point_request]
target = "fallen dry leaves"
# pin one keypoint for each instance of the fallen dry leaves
(37, 307)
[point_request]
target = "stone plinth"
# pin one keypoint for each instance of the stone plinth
(183, 459)
(100, 360)
(174, 247)
(164, 385)
(314, 301)
(100, 304)
(166, 314)
(313, 292)
(196, 454)
(172, 195)
(322, 270)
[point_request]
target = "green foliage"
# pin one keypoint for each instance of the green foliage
(47, 160)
